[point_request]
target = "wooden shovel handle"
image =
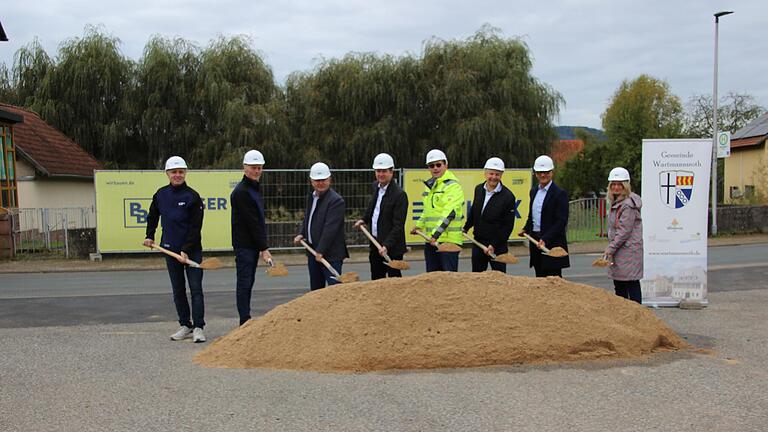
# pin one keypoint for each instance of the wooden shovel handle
(373, 240)
(173, 254)
(424, 236)
(322, 260)
(480, 245)
(536, 242)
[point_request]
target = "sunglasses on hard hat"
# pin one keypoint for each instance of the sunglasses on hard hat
(435, 165)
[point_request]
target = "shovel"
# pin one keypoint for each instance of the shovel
(395, 264)
(555, 252)
(506, 258)
(207, 264)
(276, 269)
(442, 247)
(601, 262)
(343, 278)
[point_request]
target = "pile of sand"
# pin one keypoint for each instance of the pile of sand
(443, 320)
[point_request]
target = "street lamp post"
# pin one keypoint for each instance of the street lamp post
(715, 130)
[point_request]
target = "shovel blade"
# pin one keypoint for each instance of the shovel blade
(211, 264)
(348, 277)
(601, 262)
(507, 258)
(277, 270)
(448, 247)
(557, 252)
(398, 265)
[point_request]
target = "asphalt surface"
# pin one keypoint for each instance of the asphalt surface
(116, 370)
(63, 299)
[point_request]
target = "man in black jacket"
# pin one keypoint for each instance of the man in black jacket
(385, 218)
(547, 220)
(249, 230)
(323, 227)
(493, 216)
(180, 210)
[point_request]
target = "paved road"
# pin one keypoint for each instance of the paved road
(64, 299)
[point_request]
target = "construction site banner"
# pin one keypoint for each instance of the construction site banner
(123, 199)
(675, 191)
(517, 180)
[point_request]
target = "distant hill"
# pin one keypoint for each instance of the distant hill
(569, 133)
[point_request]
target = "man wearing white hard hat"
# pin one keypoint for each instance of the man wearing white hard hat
(249, 230)
(323, 227)
(547, 220)
(180, 210)
(492, 215)
(443, 214)
(385, 217)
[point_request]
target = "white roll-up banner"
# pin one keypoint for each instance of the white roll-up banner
(675, 191)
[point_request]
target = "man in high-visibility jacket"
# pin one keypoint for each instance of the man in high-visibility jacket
(443, 214)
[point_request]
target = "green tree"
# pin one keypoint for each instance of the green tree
(83, 95)
(587, 171)
(734, 111)
(31, 67)
(642, 108)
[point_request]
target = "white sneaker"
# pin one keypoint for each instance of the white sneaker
(197, 335)
(184, 332)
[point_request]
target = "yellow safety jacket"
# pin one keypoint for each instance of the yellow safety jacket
(443, 215)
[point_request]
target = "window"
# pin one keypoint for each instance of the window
(749, 191)
(735, 192)
(8, 188)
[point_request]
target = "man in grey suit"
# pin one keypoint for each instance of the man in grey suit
(323, 227)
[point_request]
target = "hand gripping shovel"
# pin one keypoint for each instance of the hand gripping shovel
(343, 278)
(276, 269)
(442, 247)
(395, 264)
(506, 258)
(207, 264)
(555, 252)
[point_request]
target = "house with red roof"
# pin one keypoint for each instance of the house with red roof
(51, 170)
(747, 166)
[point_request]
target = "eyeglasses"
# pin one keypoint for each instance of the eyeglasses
(435, 165)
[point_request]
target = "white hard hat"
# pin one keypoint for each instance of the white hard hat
(383, 161)
(319, 171)
(543, 163)
(253, 157)
(175, 162)
(495, 164)
(435, 155)
(618, 174)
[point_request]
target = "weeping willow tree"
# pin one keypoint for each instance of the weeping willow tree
(30, 67)
(239, 103)
(166, 120)
(473, 98)
(83, 95)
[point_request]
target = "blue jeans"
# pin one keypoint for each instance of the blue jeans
(246, 261)
(176, 272)
(440, 261)
(319, 275)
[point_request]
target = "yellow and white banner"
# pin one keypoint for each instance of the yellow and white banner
(517, 180)
(675, 192)
(123, 199)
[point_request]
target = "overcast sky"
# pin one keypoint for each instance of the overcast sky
(582, 48)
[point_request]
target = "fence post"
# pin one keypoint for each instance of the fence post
(46, 228)
(66, 234)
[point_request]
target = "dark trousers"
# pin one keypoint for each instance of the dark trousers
(629, 290)
(379, 270)
(176, 271)
(536, 260)
(246, 261)
(480, 260)
(440, 261)
(319, 275)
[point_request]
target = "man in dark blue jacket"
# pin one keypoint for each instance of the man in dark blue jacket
(547, 220)
(385, 218)
(180, 210)
(493, 217)
(249, 230)
(323, 227)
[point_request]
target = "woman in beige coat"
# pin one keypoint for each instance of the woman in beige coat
(625, 236)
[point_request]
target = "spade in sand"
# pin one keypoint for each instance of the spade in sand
(442, 247)
(555, 252)
(207, 264)
(505, 258)
(395, 264)
(343, 278)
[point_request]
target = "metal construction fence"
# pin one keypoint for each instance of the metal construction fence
(47, 229)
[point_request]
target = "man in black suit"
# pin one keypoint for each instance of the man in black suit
(493, 216)
(547, 220)
(385, 218)
(323, 227)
